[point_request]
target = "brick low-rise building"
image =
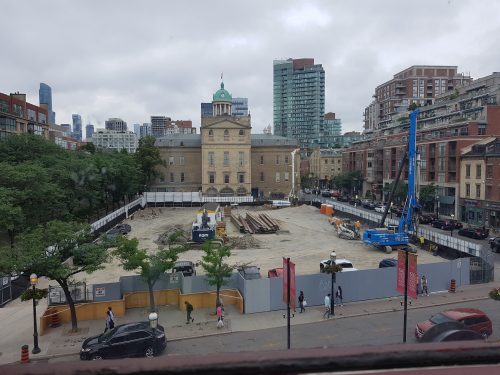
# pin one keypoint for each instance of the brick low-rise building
(17, 116)
(457, 119)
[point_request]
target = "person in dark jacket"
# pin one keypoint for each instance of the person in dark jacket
(189, 310)
(301, 301)
(339, 296)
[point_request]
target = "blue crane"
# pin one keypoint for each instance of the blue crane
(390, 239)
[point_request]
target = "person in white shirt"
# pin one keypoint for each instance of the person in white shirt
(327, 306)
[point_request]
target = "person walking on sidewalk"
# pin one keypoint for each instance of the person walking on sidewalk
(189, 310)
(110, 319)
(339, 296)
(327, 306)
(220, 318)
(301, 301)
(424, 286)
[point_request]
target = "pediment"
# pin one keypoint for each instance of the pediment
(225, 123)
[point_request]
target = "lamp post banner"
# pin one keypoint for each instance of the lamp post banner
(292, 283)
(412, 274)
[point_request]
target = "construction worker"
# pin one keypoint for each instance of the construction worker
(422, 240)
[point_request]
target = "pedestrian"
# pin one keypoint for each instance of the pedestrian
(302, 302)
(110, 319)
(424, 286)
(327, 306)
(220, 318)
(339, 296)
(451, 231)
(189, 310)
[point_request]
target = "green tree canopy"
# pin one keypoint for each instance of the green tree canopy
(57, 250)
(148, 157)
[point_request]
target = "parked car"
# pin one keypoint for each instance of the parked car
(275, 272)
(458, 224)
(354, 201)
(186, 267)
(126, 340)
(388, 262)
(425, 219)
(325, 193)
(472, 319)
(476, 233)
(443, 224)
(495, 244)
(343, 198)
(335, 194)
(307, 191)
(344, 263)
(118, 230)
(398, 211)
(380, 209)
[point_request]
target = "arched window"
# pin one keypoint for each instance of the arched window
(210, 133)
(226, 133)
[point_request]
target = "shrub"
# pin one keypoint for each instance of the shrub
(495, 294)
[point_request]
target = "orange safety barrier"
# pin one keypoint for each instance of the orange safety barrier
(453, 286)
(55, 320)
(329, 210)
(25, 354)
(322, 209)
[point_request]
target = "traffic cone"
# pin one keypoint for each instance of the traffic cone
(453, 286)
(55, 320)
(25, 354)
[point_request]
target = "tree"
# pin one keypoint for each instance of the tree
(413, 106)
(148, 157)
(46, 251)
(11, 216)
(149, 266)
(400, 194)
(427, 196)
(216, 270)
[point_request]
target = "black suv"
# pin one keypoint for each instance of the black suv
(495, 244)
(476, 233)
(443, 224)
(425, 219)
(126, 340)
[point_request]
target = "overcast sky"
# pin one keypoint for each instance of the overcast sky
(134, 59)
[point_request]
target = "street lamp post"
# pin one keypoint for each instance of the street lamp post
(34, 281)
(437, 206)
(333, 257)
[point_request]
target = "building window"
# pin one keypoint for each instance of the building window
(172, 177)
(211, 178)
(171, 160)
(241, 178)
(242, 159)
(210, 133)
(286, 176)
(182, 176)
(242, 132)
(478, 191)
(478, 171)
(467, 190)
(489, 171)
(181, 160)
(488, 192)
(467, 170)
(277, 159)
(226, 178)
(286, 159)
(261, 159)
(226, 133)
(211, 159)
(277, 177)
(326, 161)
(226, 158)
(481, 129)
(261, 176)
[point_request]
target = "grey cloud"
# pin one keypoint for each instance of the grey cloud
(134, 59)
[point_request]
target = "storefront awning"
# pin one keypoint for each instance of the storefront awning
(447, 200)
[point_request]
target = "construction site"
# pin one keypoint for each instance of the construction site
(259, 236)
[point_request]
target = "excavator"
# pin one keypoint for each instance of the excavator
(389, 239)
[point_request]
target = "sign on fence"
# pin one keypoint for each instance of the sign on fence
(100, 292)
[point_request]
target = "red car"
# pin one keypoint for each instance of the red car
(472, 319)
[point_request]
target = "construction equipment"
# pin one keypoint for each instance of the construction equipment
(207, 219)
(346, 228)
(397, 238)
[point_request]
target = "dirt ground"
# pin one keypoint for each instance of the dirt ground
(306, 237)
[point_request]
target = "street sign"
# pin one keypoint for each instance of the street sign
(292, 283)
(412, 273)
(100, 292)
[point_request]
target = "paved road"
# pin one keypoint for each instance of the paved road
(374, 329)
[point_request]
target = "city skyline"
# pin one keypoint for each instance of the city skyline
(174, 68)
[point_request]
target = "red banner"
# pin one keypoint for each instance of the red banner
(292, 283)
(412, 273)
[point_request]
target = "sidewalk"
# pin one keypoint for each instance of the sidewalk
(17, 321)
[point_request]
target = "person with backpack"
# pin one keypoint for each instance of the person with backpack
(189, 310)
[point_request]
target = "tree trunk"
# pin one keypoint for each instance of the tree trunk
(217, 301)
(71, 304)
(152, 307)
(11, 236)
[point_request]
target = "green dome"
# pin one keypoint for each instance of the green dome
(222, 95)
